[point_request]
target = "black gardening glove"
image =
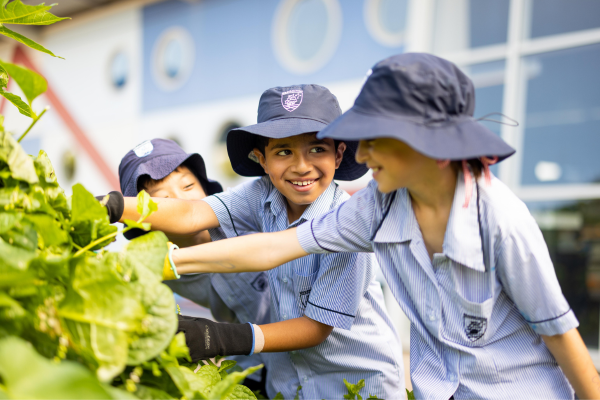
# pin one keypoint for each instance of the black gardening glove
(208, 339)
(114, 204)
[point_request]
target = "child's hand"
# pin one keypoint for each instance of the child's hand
(114, 203)
(208, 339)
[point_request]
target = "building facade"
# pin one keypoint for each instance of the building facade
(192, 70)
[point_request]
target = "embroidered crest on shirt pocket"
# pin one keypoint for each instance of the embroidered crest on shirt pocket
(475, 327)
(304, 298)
(260, 282)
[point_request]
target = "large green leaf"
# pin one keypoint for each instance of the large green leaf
(101, 313)
(23, 107)
(144, 256)
(14, 257)
(20, 164)
(89, 219)
(18, 13)
(27, 375)
(226, 388)
(158, 325)
(31, 83)
(26, 41)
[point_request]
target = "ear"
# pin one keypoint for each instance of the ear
(261, 159)
(339, 154)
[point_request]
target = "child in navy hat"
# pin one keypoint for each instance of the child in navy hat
(460, 252)
(164, 170)
(329, 316)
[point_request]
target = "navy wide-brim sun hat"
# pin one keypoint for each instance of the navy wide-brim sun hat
(426, 102)
(285, 112)
(157, 158)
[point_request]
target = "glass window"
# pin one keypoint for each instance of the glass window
(306, 33)
(551, 17)
(562, 121)
(488, 79)
(464, 24)
(173, 58)
(386, 20)
(307, 28)
(119, 70)
(572, 233)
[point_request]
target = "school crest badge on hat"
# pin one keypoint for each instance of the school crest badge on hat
(292, 99)
(475, 327)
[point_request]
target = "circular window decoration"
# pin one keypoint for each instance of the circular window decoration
(386, 21)
(119, 70)
(306, 34)
(173, 58)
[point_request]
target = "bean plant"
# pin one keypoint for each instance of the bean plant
(78, 321)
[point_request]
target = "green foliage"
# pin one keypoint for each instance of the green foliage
(22, 14)
(75, 323)
(31, 83)
(21, 366)
(354, 389)
(410, 395)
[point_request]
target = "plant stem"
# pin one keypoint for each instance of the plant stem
(98, 241)
(35, 120)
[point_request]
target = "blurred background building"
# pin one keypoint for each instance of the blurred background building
(191, 70)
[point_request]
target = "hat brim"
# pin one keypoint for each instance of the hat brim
(459, 139)
(160, 167)
(241, 141)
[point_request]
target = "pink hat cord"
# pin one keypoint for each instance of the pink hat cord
(486, 161)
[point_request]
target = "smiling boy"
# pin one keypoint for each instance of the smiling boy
(330, 316)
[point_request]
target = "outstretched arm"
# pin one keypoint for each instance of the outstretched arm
(573, 358)
(256, 252)
(175, 216)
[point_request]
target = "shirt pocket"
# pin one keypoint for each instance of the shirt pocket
(469, 322)
(469, 310)
(302, 288)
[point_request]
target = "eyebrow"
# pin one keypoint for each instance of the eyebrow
(287, 145)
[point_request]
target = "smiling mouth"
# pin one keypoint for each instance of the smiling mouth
(302, 184)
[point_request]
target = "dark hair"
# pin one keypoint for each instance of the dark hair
(475, 164)
(145, 180)
(261, 143)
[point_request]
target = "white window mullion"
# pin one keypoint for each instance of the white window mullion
(513, 103)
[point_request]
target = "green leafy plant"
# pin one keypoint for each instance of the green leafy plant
(78, 321)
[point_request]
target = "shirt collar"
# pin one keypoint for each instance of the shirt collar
(276, 203)
(399, 223)
(462, 240)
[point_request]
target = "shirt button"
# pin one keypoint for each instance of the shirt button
(284, 316)
(230, 298)
(432, 317)
(452, 377)
(305, 379)
(285, 280)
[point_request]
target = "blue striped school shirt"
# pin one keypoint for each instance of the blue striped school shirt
(335, 289)
(478, 308)
(243, 297)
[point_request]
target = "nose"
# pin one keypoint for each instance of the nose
(302, 165)
(362, 152)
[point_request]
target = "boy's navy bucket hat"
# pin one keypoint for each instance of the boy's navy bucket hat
(424, 101)
(285, 112)
(157, 158)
